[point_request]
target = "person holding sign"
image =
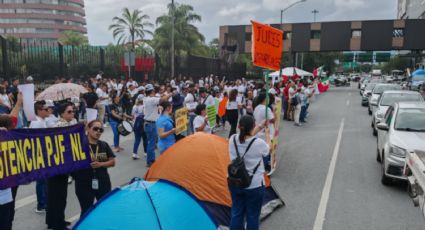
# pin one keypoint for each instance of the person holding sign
(57, 186)
(165, 127)
(7, 200)
(94, 183)
(200, 123)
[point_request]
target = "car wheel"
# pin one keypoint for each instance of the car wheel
(371, 124)
(384, 179)
(374, 132)
(378, 158)
(370, 112)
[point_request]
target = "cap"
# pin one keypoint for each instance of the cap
(149, 87)
(272, 91)
(50, 103)
(141, 88)
(29, 78)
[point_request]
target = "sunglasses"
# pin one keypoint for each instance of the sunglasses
(70, 111)
(98, 129)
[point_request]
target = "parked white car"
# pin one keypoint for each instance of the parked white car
(387, 99)
(402, 130)
(376, 93)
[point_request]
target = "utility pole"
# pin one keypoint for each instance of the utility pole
(314, 13)
(172, 39)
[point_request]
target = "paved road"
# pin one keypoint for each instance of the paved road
(353, 199)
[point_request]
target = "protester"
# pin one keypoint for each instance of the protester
(296, 104)
(117, 115)
(200, 123)
(247, 202)
(57, 186)
(190, 102)
(5, 102)
(232, 111)
(42, 113)
(139, 130)
(94, 183)
(151, 112)
(165, 126)
(102, 93)
(7, 208)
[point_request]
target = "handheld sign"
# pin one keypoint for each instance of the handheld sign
(181, 120)
(211, 111)
(267, 43)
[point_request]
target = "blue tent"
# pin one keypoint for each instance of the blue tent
(418, 72)
(146, 205)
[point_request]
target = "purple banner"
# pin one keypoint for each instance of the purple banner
(27, 155)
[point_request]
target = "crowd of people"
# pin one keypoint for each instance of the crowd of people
(150, 108)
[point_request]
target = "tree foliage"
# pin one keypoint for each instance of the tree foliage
(130, 27)
(186, 36)
(73, 38)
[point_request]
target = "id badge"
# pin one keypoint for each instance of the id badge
(95, 184)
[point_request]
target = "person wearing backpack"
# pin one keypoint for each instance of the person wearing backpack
(246, 173)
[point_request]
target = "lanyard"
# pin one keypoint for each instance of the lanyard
(93, 155)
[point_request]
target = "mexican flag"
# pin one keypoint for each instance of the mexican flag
(318, 71)
(323, 84)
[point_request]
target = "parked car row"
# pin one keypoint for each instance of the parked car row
(398, 121)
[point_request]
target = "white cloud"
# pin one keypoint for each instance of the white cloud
(239, 9)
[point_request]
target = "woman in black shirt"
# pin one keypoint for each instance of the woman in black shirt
(94, 183)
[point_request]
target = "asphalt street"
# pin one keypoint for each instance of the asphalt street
(327, 175)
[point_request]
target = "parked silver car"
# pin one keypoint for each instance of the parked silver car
(389, 98)
(402, 130)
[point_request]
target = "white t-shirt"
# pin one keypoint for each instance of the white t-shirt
(40, 123)
(291, 92)
(199, 121)
(260, 116)
(119, 88)
(241, 89)
(5, 99)
(100, 93)
(232, 105)
(51, 121)
(201, 83)
(151, 108)
(137, 111)
(133, 92)
(132, 83)
(255, 154)
(190, 102)
(209, 101)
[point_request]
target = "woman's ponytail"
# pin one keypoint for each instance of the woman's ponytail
(246, 125)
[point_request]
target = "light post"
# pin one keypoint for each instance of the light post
(281, 24)
(172, 39)
(314, 13)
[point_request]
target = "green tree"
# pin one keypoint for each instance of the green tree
(130, 27)
(72, 38)
(396, 63)
(187, 36)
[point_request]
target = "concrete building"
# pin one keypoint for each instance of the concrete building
(411, 9)
(41, 19)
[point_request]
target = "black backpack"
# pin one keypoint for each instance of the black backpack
(238, 176)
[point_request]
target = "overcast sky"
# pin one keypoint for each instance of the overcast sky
(237, 12)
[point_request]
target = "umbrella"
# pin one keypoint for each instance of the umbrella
(61, 91)
(147, 206)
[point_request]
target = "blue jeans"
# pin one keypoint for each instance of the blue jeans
(303, 113)
(191, 118)
(41, 191)
(114, 126)
(152, 135)
(285, 110)
(138, 136)
(246, 203)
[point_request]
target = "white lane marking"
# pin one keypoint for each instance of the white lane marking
(321, 211)
(25, 201)
(74, 218)
(348, 102)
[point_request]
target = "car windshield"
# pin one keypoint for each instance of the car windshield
(379, 89)
(391, 98)
(370, 86)
(412, 120)
(418, 78)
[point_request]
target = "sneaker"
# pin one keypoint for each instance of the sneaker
(40, 210)
(69, 180)
(135, 156)
(297, 124)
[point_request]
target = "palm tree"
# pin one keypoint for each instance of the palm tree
(130, 26)
(72, 38)
(187, 36)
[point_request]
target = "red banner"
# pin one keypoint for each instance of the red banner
(142, 65)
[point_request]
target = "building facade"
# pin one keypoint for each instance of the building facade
(33, 20)
(411, 9)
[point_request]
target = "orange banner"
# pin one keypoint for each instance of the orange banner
(267, 43)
